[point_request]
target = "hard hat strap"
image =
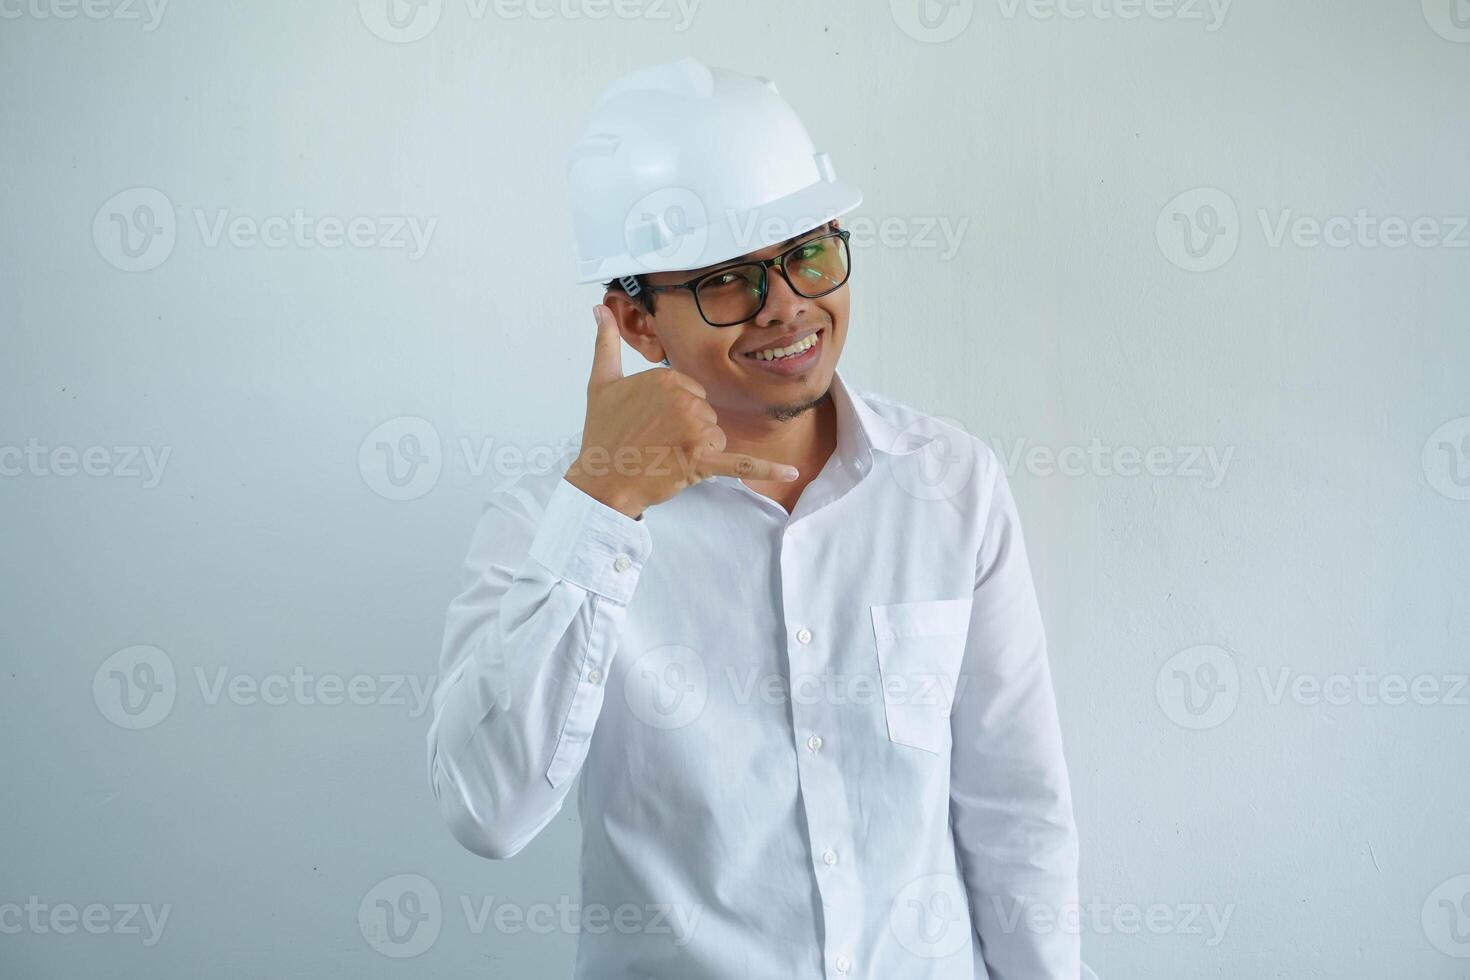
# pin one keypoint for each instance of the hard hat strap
(630, 285)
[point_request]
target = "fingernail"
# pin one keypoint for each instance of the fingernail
(596, 316)
(789, 473)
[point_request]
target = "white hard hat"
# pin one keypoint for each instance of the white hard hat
(683, 165)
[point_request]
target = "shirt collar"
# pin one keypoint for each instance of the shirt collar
(861, 430)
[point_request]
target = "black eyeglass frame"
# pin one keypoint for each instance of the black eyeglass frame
(776, 261)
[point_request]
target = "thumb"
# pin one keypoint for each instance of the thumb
(607, 357)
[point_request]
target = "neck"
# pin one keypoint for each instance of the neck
(805, 439)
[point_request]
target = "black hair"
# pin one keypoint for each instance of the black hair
(644, 298)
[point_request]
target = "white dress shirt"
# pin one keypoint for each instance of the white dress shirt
(816, 744)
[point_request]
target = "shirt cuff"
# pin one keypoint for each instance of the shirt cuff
(591, 545)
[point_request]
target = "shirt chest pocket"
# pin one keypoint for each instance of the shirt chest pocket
(920, 648)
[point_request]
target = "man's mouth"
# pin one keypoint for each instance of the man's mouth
(780, 352)
(789, 358)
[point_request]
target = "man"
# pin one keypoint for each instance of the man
(785, 630)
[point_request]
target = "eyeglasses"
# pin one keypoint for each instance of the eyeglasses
(735, 293)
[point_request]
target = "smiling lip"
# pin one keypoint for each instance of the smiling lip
(786, 341)
(796, 364)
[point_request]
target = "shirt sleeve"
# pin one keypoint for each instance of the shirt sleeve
(527, 644)
(1010, 797)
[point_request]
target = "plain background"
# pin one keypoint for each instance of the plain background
(1325, 818)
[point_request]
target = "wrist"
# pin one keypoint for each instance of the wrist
(604, 491)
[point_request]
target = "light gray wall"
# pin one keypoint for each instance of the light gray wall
(1328, 545)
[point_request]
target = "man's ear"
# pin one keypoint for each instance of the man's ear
(635, 324)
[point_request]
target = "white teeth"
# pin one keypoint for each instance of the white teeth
(801, 345)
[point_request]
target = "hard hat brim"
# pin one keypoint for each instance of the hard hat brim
(719, 238)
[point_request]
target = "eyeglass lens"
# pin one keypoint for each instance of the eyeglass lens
(814, 268)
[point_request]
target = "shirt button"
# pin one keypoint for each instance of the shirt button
(829, 856)
(814, 743)
(843, 964)
(594, 676)
(803, 635)
(621, 563)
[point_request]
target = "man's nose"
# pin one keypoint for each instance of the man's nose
(783, 304)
